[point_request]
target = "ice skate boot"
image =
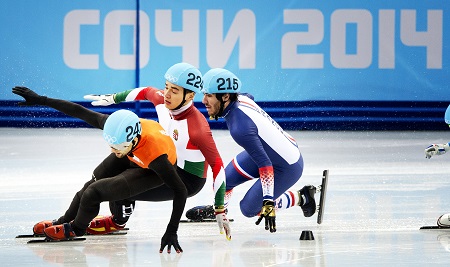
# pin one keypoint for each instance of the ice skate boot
(200, 213)
(307, 201)
(444, 221)
(38, 229)
(102, 225)
(60, 232)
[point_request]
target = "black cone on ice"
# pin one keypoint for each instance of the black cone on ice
(307, 235)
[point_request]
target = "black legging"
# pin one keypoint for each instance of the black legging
(123, 209)
(114, 179)
(122, 182)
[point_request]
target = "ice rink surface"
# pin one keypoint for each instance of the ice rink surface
(381, 190)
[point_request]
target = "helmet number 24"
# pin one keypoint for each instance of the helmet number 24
(132, 132)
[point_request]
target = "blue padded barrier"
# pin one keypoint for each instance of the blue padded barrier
(304, 115)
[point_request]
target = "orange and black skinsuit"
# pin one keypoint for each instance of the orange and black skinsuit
(150, 164)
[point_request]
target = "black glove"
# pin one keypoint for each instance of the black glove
(169, 239)
(268, 213)
(31, 98)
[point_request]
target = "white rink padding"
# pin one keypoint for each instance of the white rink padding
(381, 190)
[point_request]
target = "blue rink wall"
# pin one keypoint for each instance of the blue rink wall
(308, 115)
(319, 65)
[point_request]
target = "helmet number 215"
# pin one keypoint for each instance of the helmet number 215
(226, 84)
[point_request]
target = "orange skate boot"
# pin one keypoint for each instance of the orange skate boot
(38, 229)
(60, 232)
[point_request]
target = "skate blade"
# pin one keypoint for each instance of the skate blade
(47, 240)
(323, 189)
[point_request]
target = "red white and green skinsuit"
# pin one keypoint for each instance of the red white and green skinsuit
(193, 139)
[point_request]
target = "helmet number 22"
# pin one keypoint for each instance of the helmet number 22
(194, 80)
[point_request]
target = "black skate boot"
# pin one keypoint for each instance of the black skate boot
(307, 201)
(200, 213)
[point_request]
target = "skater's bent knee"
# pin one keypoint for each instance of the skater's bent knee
(91, 195)
(248, 212)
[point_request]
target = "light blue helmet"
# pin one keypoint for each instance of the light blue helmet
(220, 81)
(447, 115)
(186, 76)
(121, 128)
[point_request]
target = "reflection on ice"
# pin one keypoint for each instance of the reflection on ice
(381, 190)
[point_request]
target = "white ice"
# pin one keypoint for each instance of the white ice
(381, 190)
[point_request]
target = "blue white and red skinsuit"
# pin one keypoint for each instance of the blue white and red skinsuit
(270, 154)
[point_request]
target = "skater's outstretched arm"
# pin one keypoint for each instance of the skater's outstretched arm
(140, 93)
(95, 119)
(152, 94)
